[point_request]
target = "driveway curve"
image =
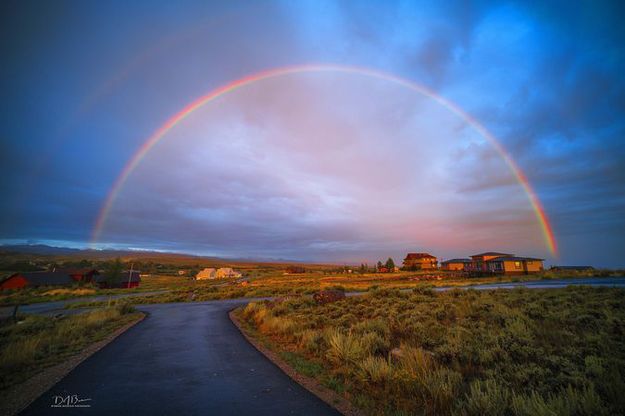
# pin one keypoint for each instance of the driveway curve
(183, 359)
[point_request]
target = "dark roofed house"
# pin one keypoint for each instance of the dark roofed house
(455, 264)
(80, 275)
(36, 279)
(515, 265)
(126, 280)
(479, 261)
(420, 261)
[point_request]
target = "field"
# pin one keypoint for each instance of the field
(260, 279)
(276, 283)
(37, 342)
(465, 352)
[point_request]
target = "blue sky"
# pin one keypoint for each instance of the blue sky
(316, 167)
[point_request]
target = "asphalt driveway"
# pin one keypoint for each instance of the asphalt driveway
(183, 359)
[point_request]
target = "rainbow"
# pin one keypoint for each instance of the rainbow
(159, 134)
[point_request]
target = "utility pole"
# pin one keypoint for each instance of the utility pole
(132, 266)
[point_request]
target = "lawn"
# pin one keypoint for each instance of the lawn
(37, 342)
(461, 352)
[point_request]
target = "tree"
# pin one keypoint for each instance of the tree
(113, 273)
(379, 266)
(390, 265)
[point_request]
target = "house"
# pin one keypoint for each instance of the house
(127, 280)
(208, 273)
(36, 279)
(227, 272)
(504, 263)
(479, 261)
(455, 264)
(80, 275)
(420, 261)
(515, 265)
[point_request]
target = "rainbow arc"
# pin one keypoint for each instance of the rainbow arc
(173, 121)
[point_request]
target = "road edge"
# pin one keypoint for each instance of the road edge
(23, 394)
(330, 397)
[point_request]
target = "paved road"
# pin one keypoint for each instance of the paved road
(58, 307)
(183, 359)
(549, 284)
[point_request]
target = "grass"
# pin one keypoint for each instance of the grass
(460, 352)
(36, 342)
(268, 280)
(276, 284)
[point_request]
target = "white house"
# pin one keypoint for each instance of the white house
(227, 272)
(208, 273)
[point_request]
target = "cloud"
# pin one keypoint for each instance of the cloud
(313, 167)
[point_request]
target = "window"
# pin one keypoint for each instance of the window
(517, 264)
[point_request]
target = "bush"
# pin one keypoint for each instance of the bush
(375, 370)
(311, 340)
(344, 348)
(487, 398)
(125, 308)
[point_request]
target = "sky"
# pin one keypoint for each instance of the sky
(324, 166)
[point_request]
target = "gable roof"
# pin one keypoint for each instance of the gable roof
(415, 256)
(492, 253)
(45, 278)
(83, 271)
(514, 258)
(456, 261)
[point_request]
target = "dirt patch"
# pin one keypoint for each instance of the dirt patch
(329, 396)
(18, 397)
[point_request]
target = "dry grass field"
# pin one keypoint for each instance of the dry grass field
(498, 352)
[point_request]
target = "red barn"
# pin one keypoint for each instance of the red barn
(36, 279)
(127, 280)
(81, 275)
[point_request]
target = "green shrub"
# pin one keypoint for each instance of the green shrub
(487, 398)
(375, 370)
(344, 347)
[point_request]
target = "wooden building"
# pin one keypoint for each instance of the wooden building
(455, 264)
(504, 263)
(479, 262)
(80, 275)
(515, 265)
(420, 261)
(36, 279)
(126, 280)
(207, 273)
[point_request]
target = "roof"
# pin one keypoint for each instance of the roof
(414, 256)
(514, 258)
(456, 261)
(45, 278)
(492, 253)
(78, 271)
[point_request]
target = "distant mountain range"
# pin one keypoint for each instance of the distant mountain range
(46, 250)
